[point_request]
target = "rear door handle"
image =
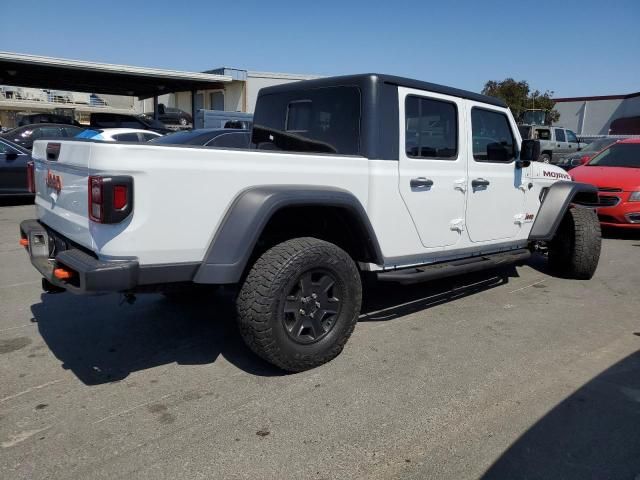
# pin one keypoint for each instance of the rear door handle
(421, 182)
(480, 182)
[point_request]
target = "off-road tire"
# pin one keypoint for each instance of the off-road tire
(262, 300)
(544, 158)
(575, 250)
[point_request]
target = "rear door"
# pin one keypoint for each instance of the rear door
(13, 170)
(561, 146)
(495, 200)
(433, 164)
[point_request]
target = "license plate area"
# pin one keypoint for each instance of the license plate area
(39, 244)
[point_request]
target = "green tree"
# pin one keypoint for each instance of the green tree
(519, 97)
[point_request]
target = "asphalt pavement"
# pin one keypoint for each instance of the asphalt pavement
(501, 375)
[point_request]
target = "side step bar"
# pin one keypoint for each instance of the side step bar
(407, 276)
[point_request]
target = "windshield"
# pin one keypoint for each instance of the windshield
(618, 155)
(598, 145)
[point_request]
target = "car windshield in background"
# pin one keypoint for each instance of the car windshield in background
(599, 144)
(620, 155)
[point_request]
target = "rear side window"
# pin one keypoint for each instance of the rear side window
(543, 134)
(560, 135)
(230, 140)
(127, 137)
(493, 140)
(321, 120)
(431, 128)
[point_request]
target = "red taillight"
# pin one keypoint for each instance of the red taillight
(119, 197)
(110, 198)
(96, 207)
(31, 179)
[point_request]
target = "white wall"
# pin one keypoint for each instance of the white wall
(593, 117)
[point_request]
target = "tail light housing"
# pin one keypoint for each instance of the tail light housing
(31, 177)
(110, 198)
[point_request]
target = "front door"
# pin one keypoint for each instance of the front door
(496, 195)
(432, 167)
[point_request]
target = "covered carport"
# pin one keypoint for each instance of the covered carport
(33, 71)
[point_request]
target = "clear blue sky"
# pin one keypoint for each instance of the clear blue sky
(571, 47)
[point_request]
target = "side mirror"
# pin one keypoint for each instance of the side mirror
(11, 156)
(530, 150)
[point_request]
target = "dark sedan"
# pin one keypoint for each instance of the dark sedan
(208, 137)
(173, 116)
(13, 169)
(587, 153)
(26, 135)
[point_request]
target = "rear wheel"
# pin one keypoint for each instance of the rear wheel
(574, 252)
(300, 303)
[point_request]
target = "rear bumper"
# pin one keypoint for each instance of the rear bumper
(48, 251)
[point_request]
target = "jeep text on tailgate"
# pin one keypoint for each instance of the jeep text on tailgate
(364, 175)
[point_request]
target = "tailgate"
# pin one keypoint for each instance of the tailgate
(61, 176)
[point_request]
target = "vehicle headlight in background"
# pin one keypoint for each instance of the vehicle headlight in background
(634, 197)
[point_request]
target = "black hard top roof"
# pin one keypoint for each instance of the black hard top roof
(372, 80)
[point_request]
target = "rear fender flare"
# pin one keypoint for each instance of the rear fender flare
(249, 213)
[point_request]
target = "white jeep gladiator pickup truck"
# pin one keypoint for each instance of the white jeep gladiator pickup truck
(350, 176)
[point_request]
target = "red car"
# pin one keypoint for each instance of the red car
(616, 173)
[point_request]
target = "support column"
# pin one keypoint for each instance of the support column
(193, 107)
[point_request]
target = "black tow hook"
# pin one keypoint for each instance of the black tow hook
(49, 287)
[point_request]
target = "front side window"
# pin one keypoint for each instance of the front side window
(431, 128)
(560, 135)
(493, 140)
(571, 137)
(319, 120)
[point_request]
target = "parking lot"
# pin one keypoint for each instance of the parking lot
(513, 374)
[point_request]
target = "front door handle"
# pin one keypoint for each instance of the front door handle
(480, 182)
(421, 182)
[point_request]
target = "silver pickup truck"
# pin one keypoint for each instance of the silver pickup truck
(555, 142)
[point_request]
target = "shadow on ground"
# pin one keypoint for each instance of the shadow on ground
(622, 234)
(593, 434)
(101, 339)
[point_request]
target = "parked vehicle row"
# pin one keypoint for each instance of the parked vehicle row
(27, 134)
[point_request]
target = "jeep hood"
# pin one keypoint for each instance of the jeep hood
(628, 179)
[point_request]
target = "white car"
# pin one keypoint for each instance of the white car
(350, 177)
(119, 135)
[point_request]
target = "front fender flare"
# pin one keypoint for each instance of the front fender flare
(555, 204)
(246, 218)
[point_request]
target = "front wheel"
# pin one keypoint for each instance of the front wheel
(300, 303)
(574, 252)
(545, 158)
(183, 121)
